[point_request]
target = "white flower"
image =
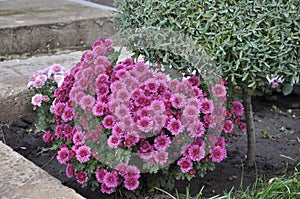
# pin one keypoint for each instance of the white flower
(275, 81)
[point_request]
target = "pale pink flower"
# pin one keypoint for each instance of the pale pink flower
(228, 126)
(37, 99)
(207, 106)
(162, 142)
(218, 154)
(174, 126)
(56, 69)
(193, 102)
(219, 90)
(145, 124)
(196, 130)
(191, 111)
(117, 85)
(102, 60)
(38, 83)
(185, 165)
(173, 84)
(87, 101)
(121, 168)
(81, 177)
(123, 95)
(160, 157)
(46, 98)
(83, 153)
(132, 171)
(70, 170)
(63, 155)
(110, 180)
(183, 87)
(42, 77)
(108, 122)
(131, 183)
(178, 100)
(157, 106)
(59, 79)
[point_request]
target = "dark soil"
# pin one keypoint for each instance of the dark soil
(277, 122)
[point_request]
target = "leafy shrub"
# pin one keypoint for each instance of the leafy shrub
(247, 39)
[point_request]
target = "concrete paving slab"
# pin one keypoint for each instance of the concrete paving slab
(21, 179)
(42, 26)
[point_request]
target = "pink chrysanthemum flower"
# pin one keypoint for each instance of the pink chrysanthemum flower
(132, 171)
(131, 183)
(219, 112)
(191, 111)
(219, 90)
(37, 99)
(145, 146)
(67, 114)
(207, 106)
(103, 60)
(110, 180)
(218, 154)
(174, 126)
(123, 95)
(185, 165)
(78, 138)
(81, 177)
(87, 101)
(59, 108)
(70, 170)
(121, 168)
(83, 154)
(109, 122)
(98, 109)
(196, 92)
(117, 85)
(178, 100)
(116, 130)
(196, 152)
(59, 79)
(100, 173)
(145, 124)
(228, 126)
(106, 189)
(151, 85)
(131, 139)
(48, 137)
(162, 142)
(196, 130)
(193, 102)
(113, 141)
(221, 142)
(157, 106)
(194, 81)
(102, 90)
(56, 69)
(173, 84)
(183, 87)
(160, 157)
(237, 108)
(63, 155)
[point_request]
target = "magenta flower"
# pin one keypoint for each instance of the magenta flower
(221, 142)
(219, 90)
(59, 108)
(83, 153)
(162, 142)
(67, 114)
(100, 173)
(132, 171)
(207, 106)
(102, 90)
(174, 126)
(131, 183)
(37, 99)
(218, 154)
(63, 155)
(196, 152)
(145, 146)
(48, 137)
(113, 141)
(106, 189)
(78, 138)
(228, 126)
(237, 108)
(185, 165)
(108, 122)
(131, 139)
(81, 177)
(194, 81)
(70, 170)
(110, 180)
(98, 109)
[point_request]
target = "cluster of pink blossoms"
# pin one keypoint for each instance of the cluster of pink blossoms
(139, 111)
(51, 77)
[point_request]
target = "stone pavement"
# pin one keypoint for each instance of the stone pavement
(32, 27)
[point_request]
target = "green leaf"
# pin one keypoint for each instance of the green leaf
(287, 89)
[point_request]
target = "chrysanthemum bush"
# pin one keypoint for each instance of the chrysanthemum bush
(41, 86)
(119, 126)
